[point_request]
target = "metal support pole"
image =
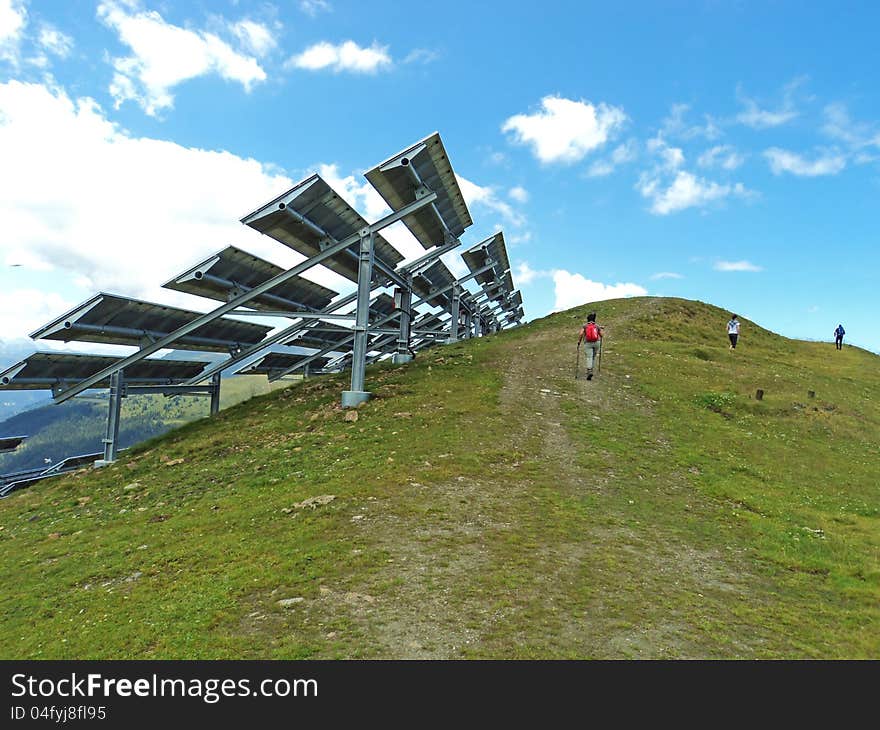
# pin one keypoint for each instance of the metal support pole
(468, 324)
(215, 394)
(111, 440)
(403, 353)
(357, 395)
(456, 304)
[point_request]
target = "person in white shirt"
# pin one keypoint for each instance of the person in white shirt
(733, 331)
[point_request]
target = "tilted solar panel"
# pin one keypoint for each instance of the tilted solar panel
(434, 279)
(382, 306)
(399, 178)
(476, 257)
(426, 325)
(308, 215)
(233, 271)
(117, 320)
(47, 370)
(500, 289)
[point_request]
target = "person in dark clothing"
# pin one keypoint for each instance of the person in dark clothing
(838, 336)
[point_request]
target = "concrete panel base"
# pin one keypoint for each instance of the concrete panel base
(398, 358)
(353, 398)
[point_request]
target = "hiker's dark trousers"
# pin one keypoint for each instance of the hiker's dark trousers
(732, 337)
(838, 341)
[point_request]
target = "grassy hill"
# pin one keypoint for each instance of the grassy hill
(484, 504)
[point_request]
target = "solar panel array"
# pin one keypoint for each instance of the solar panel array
(398, 308)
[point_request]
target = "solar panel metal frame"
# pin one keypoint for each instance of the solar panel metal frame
(48, 370)
(382, 306)
(494, 248)
(287, 334)
(104, 312)
(276, 362)
(398, 187)
(303, 218)
(433, 284)
(499, 290)
(321, 335)
(245, 271)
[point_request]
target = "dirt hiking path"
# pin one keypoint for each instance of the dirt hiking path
(539, 558)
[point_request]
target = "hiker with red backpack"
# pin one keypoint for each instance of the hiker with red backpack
(591, 337)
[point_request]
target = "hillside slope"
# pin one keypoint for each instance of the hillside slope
(484, 504)
(78, 426)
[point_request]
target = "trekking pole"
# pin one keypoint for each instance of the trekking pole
(577, 362)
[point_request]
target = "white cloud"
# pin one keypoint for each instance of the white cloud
(666, 275)
(313, 7)
(476, 195)
(685, 191)
(13, 18)
(119, 213)
(671, 157)
(515, 238)
(859, 137)
(565, 130)
(736, 266)
(572, 290)
(600, 168)
(166, 55)
(421, 55)
(54, 41)
(623, 153)
(838, 125)
(24, 310)
(519, 194)
(723, 156)
(254, 37)
(757, 118)
(347, 56)
(675, 125)
(784, 161)
(525, 274)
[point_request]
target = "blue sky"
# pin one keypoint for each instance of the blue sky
(722, 151)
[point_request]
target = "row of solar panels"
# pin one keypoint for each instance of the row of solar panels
(308, 218)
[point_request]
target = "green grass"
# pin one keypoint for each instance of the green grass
(485, 505)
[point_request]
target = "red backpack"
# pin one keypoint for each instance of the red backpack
(591, 332)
